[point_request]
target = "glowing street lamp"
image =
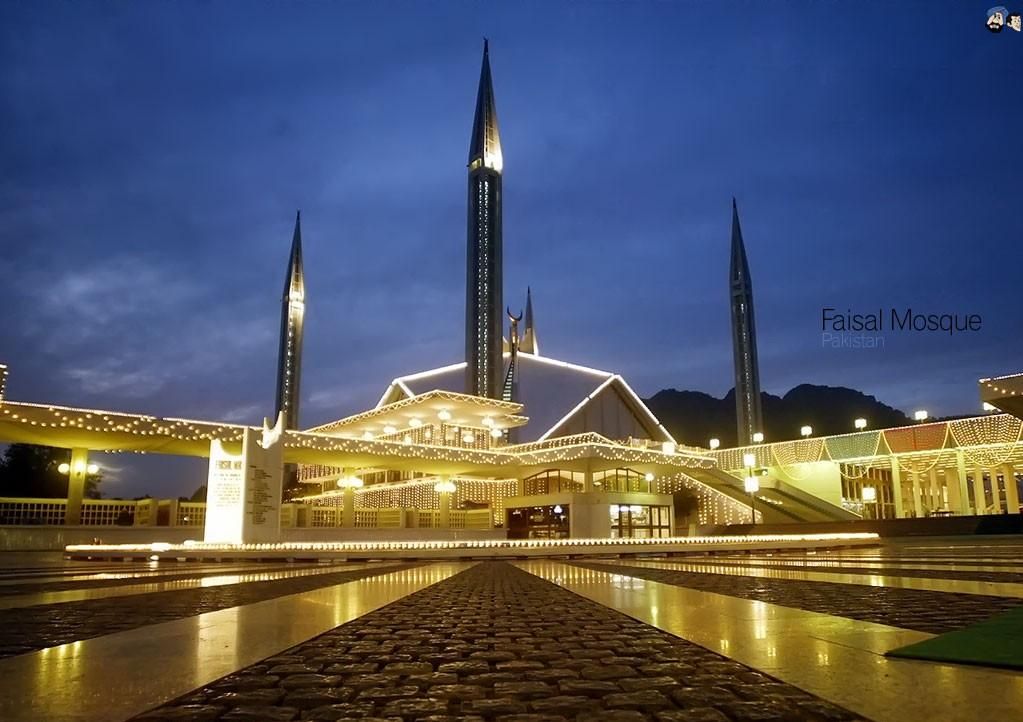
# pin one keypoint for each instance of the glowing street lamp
(860, 424)
(920, 415)
(715, 443)
(445, 488)
(758, 437)
(869, 496)
(348, 484)
(752, 485)
(805, 431)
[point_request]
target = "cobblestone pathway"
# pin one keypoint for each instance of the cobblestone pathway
(25, 629)
(496, 643)
(925, 611)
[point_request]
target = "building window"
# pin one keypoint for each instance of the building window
(539, 522)
(622, 480)
(640, 521)
(553, 481)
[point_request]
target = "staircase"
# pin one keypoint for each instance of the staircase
(778, 501)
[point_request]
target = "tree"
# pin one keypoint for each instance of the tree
(31, 470)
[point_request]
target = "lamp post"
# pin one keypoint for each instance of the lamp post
(758, 437)
(751, 484)
(920, 415)
(445, 487)
(860, 424)
(714, 444)
(348, 486)
(806, 431)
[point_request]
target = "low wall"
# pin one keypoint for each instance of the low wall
(929, 526)
(50, 538)
(55, 538)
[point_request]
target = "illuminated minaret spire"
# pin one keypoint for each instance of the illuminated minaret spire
(744, 340)
(289, 359)
(529, 343)
(483, 300)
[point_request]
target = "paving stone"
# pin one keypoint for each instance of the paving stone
(296, 668)
(694, 714)
(635, 684)
(415, 708)
(343, 711)
(563, 704)
(261, 713)
(239, 683)
(268, 695)
(300, 681)
(523, 690)
(702, 696)
(593, 688)
(318, 697)
(606, 672)
(647, 699)
(491, 678)
(408, 668)
(434, 678)
(195, 712)
(465, 667)
(495, 706)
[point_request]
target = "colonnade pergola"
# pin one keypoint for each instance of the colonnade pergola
(963, 466)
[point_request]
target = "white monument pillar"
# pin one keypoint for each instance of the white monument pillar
(243, 492)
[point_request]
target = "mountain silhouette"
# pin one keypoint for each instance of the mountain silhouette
(694, 417)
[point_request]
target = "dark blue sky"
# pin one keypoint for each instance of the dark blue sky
(152, 156)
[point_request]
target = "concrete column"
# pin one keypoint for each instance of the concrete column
(963, 483)
(76, 486)
(936, 497)
(955, 500)
(917, 506)
(348, 507)
(897, 488)
(445, 510)
(587, 481)
(1011, 490)
(978, 490)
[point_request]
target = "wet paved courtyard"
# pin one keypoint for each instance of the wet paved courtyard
(729, 638)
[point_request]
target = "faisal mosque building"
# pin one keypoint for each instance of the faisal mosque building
(508, 443)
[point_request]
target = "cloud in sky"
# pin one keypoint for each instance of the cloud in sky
(155, 154)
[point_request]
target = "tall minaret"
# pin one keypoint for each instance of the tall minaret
(744, 340)
(483, 302)
(529, 342)
(289, 359)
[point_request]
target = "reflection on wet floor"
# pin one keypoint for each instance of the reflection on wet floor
(997, 589)
(213, 580)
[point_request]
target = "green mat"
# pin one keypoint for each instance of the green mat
(996, 642)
